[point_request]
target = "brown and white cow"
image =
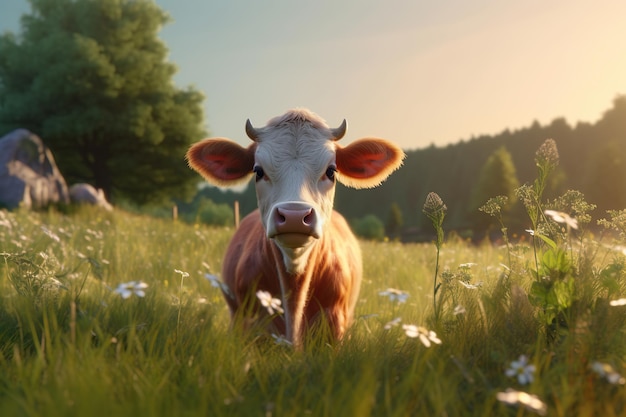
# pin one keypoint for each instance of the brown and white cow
(295, 245)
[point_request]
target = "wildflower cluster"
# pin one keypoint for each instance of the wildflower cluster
(616, 223)
(555, 291)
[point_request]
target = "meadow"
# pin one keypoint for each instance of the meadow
(112, 313)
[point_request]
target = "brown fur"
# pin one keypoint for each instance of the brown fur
(330, 282)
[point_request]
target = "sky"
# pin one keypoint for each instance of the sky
(416, 72)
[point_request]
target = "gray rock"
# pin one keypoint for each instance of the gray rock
(85, 193)
(28, 174)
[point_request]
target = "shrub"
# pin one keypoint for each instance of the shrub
(369, 227)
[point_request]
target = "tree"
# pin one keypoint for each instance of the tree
(394, 221)
(606, 177)
(497, 177)
(91, 78)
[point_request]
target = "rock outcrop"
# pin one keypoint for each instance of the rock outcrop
(29, 177)
(82, 193)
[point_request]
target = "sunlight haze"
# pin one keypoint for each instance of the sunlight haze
(417, 73)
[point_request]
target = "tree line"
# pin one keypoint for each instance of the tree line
(92, 79)
(592, 159)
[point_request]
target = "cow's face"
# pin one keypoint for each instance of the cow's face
(296, 161)
(295, 172)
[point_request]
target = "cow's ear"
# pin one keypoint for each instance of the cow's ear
(221, 161)
(367, 162)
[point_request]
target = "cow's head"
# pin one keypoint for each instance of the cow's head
(296, 161)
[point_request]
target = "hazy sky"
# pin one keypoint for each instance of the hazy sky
(413, 71)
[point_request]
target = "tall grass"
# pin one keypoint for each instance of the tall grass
(71, 345)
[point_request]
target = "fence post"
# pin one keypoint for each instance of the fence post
(236, 209)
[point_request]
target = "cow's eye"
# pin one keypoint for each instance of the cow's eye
(330, 172)
(259, 172)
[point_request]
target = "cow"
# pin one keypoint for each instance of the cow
(295, 245)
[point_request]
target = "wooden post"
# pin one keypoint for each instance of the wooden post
(236, 209)
(175, 212)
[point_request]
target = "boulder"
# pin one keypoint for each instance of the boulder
(82, 193)
(28, 174)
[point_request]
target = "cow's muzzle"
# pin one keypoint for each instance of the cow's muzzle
(293, 224)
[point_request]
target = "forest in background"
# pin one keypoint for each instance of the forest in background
(592, 159)
(93, 80)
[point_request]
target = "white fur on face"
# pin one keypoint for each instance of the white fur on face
(295, 154)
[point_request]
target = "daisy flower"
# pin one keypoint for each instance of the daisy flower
(395, 295)
(528, 401)
(426, 336)
(127, 289)
(522, 370)
(270, 303)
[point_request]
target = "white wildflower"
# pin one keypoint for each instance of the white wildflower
(522, 370)
(127, 289)
(395, 295)
(392, 323)
(471, 286)
(426, 336)
(183, 274)
(606, 371)
(560, 217)
(270, 303)
(528, 401)
(617, 303)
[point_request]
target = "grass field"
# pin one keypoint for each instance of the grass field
(72, 345)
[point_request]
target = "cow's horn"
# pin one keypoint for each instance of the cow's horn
(339, 132)
(251, 131)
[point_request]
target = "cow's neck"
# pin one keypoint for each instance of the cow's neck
(296, 260)
(295, 279)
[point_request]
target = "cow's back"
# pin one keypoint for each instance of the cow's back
(251, 264)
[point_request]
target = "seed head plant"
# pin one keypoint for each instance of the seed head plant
(435, 210)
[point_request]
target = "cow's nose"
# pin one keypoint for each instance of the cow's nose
(297, 218)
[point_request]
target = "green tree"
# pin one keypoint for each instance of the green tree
(91, 78)
(497, 177)
(394, 221)
(606, 178)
